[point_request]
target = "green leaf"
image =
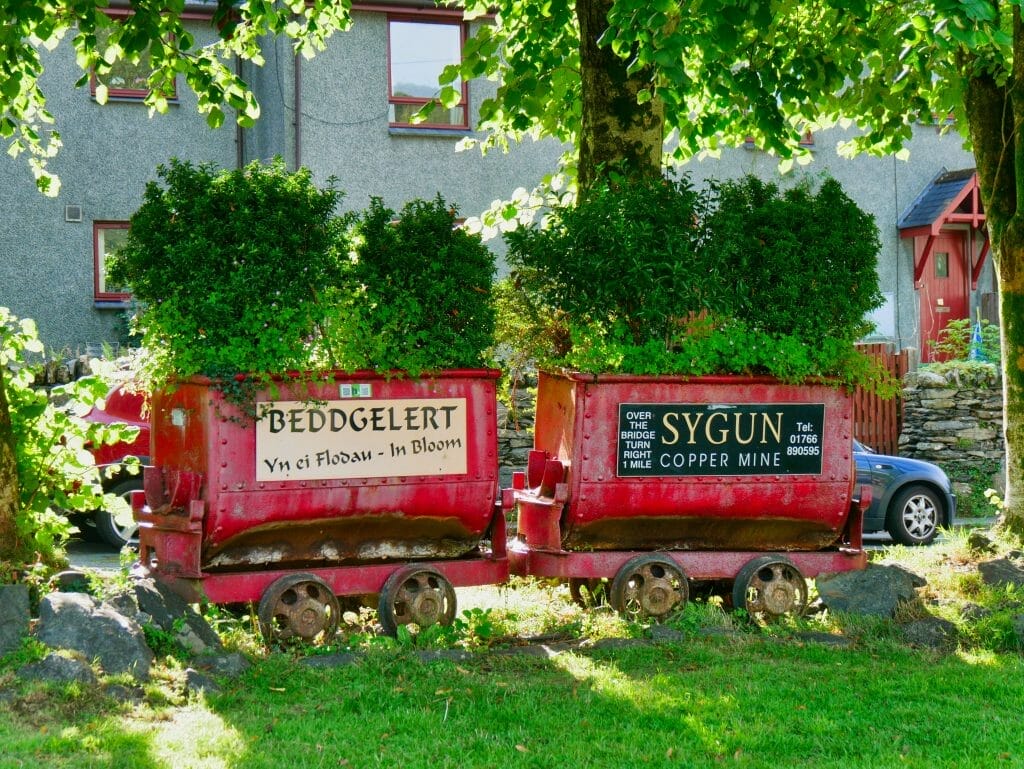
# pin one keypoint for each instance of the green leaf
(215, 117)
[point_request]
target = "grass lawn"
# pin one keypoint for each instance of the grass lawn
(707, 702)
(731, 697)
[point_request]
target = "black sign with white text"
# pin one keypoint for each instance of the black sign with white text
(658, 439)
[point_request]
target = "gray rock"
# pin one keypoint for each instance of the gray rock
(200, 682)
(169, 612)
(450, 655)
(14, 617)
(945, 425)
(619, 643)
(339, 660)
(55, 668)
(127, 604)
(1001, 571)
(71, 581)
(126, 694)
(826, 639)
(979, 542)
(76, 621)
(931, 633)
(973, 612)
(877, 591)
(230, 665)
(923, 378)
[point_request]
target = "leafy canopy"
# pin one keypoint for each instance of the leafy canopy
(729, 71)
(55, 470)
(725, 70)
(155, 28)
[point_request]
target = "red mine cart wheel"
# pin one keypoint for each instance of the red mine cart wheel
(769, 587)
(298, 606)
(649, 586)
(414, 595)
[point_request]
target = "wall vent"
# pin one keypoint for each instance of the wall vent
(72, 213)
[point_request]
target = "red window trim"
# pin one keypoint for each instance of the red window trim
(413, 11)
(104, 296)
(449, 19)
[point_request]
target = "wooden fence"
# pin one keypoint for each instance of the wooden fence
(877, 422)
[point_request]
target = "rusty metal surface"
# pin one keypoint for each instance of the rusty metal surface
(298, 606)
(341, 540)
(709, 532)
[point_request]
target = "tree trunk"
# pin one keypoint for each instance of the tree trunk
(993, 112)
(10, 494)
(617, 133)
(1011, 313)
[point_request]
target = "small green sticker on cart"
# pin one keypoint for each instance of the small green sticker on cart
(356, 390)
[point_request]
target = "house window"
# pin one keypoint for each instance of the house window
(941, 264)
(418, 51)
(125, 79)
(107, 237)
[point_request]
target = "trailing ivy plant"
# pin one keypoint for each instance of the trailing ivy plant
(56, 472)
(416, 291)
(653, 277)
(234, 269)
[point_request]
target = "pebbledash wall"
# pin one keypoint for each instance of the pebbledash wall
(329, 114)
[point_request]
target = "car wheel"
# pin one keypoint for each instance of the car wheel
(915, 515)
(86, 525)
(119, 530)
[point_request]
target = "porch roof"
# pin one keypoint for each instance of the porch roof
(951, 198)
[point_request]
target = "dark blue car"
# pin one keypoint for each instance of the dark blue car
(910, 499)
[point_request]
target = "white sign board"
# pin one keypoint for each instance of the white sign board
(307, 441)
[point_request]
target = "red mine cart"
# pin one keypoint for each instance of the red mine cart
(357, 484)
(655, 482)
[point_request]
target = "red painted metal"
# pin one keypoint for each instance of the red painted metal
(218, 525)
(232, 503)
(578, 517)
(121, 407)
(577, 426)
(490, 567)
(696, 565)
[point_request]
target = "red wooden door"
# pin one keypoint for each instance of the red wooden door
(943, 292)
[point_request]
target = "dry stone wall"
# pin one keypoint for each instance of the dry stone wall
(954, 418)
(515, 430)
